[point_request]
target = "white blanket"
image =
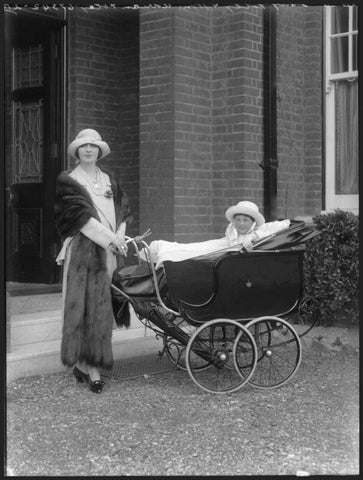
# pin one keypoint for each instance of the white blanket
(162, 250)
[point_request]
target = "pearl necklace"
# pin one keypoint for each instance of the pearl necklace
(96, 185)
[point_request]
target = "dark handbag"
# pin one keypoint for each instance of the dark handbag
(137, 280)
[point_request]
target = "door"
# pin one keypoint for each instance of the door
(33, 143)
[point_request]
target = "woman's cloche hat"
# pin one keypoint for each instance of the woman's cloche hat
(86, 136)
(245, 208)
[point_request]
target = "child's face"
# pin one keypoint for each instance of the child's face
(242, 223)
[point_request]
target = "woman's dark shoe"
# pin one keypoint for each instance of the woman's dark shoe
(80, 376)
(95, 386)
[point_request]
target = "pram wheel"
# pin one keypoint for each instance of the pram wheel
(215, 342)
(278, 351)
(176, 354)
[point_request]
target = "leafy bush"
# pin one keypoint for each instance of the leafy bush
(331, 266)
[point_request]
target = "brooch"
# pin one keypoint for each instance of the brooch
(108, 193)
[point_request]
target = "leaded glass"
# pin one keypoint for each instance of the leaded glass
(28, 66)
(28, 142)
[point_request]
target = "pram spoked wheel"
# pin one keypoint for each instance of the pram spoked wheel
(226, 345)
(278, 351)
(175, 351)
(176, 354)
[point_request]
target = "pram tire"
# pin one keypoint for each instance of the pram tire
(279, 351)
(216, 339)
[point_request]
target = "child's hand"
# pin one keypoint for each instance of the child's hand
(247, 240)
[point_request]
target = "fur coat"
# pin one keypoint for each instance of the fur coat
(88, 314)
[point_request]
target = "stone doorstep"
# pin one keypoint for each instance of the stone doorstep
(35, 340)
(36, 327)
(27, 304)
(43, 357)
(42, 327)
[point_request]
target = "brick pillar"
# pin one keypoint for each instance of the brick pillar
(299, 107)
(201, 129)
(193, 124)
(313, 109)
(157, 122)
(237, 108)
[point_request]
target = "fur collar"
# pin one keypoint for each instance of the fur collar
(73, 205)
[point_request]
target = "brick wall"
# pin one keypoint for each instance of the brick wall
(218, 102)
(193, 124)
(209, 70)
(157, 122)
(103, 89)
(237, 109)
(299, 120)
(313, 83)
(202, 115)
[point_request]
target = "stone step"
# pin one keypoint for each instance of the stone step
(36, 339)
(34, 303)
(44, 357)
(37, 327)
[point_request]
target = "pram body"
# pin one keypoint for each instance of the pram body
(238, 304)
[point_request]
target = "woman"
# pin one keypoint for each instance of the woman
(246, 226)
(91, 213)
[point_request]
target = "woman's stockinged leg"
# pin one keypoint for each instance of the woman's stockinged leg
(93, 373)
(90, 370)
(82, 371)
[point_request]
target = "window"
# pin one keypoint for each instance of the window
(341, 107)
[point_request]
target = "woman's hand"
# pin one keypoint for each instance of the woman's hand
(118, 246)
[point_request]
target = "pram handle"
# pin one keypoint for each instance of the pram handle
(135, 240)
(138, 238)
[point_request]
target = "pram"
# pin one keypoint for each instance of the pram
(223, 317)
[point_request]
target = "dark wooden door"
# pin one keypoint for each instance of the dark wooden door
(33, 143)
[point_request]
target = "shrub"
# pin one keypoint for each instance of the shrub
(331, 266)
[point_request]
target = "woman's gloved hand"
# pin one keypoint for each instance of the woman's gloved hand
(118, 246)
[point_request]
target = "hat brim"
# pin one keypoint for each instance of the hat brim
(235, 210)
(78, 142)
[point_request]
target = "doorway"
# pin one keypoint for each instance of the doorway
(34, 133)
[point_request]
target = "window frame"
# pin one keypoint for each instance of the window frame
(333, 200)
